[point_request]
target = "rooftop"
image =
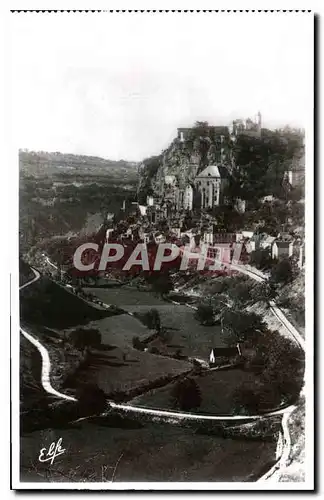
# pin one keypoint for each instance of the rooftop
(214, 171)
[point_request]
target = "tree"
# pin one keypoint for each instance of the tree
(152, 319)
(242, 326)
(91, 399)
(154, 350)
(186, 395)
(205, 314)
(240, 293)
(263, 292)
(251, 401)
(161, 283)
(282, 272)
(197, 367)
(245, 401)
(177, 354)
(217, 286)
(261, 259)
(137, 344)
(284, 365)
(164, 334)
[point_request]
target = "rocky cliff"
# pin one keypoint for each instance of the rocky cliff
(188, 154)
(256, 162)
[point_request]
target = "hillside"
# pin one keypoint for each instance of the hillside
(61, 195)
(48, 304)
(39, 163)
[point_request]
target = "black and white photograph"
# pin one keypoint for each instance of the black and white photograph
(161, 336)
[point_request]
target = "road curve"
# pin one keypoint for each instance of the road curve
(46, 362)
(285, 435)
(36, 277)
(285, 441)
(260, 277)
(197, 416)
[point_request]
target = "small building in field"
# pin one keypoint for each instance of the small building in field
(224, 355)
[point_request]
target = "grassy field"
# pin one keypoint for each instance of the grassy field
(126, 370)
(126, 297)
(120, 330)
(156, 452)
(216, 388)
(186, 333)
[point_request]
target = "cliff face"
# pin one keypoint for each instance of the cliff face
(256, 162)
(188, 154)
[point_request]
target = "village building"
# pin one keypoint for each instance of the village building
(224, 355)
(245, 234)
(282, 249)
(266, 242)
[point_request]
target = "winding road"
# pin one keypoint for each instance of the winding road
(284, 437)
(46, 362)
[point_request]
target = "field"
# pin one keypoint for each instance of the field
(216, 388)
(126, 297)
(185, 332)
(120, 330)
(127, 370)
(155, 452)
(119, 367)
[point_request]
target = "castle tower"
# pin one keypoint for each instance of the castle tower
(259, 120)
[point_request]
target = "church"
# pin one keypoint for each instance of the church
(205, 191)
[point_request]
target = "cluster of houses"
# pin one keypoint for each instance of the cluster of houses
(283, 245)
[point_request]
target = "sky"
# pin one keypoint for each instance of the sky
(119, 85)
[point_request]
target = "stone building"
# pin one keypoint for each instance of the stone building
(210, 185)
(251, 127)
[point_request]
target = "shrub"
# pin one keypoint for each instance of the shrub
(282, 272)
(240, 293)
(91, 399)
(85, 337)
(154, 350)
(261, 259)
(152, 319)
